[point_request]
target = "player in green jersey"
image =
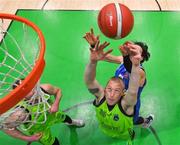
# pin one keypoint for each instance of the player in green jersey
(114, 109)
(38, 132)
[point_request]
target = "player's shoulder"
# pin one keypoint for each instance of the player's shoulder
(99, 101)
(142, 70)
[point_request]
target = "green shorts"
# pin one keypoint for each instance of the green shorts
(47, 138)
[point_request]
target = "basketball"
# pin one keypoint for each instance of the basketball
(115, 20)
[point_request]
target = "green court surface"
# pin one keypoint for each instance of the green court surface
(67, 54)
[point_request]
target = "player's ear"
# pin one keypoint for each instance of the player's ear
(104, 90)
(124, 91)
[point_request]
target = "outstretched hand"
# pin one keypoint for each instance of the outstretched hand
(124, 48)
(134, 53)
(97, 52)
(91, 38)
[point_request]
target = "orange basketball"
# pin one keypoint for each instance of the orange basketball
(115, 20)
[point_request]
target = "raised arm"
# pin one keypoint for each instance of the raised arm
(96, 54)
(118, 59)
(130, 99)
(90, 80)
(114, 59)
(17, 134)
(56, 92)
(127, 62)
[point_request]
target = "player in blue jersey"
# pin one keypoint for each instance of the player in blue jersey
(124, 71)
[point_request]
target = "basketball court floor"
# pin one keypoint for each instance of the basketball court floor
(67, 53)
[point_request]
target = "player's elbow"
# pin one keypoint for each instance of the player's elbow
(57, 92)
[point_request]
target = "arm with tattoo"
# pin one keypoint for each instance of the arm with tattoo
(92, 84)
(96, 54)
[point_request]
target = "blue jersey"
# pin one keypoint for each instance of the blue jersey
(125, 75)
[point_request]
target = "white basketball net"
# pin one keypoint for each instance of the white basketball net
(19, 50)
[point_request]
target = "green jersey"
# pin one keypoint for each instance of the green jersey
(49, 119)
(114, 123)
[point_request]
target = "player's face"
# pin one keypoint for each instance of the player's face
(15, 118)
(113, 92)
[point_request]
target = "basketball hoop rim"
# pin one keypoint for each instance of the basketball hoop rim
(30, 81)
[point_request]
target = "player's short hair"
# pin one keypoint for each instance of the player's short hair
(117, 80)
(17, 83)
